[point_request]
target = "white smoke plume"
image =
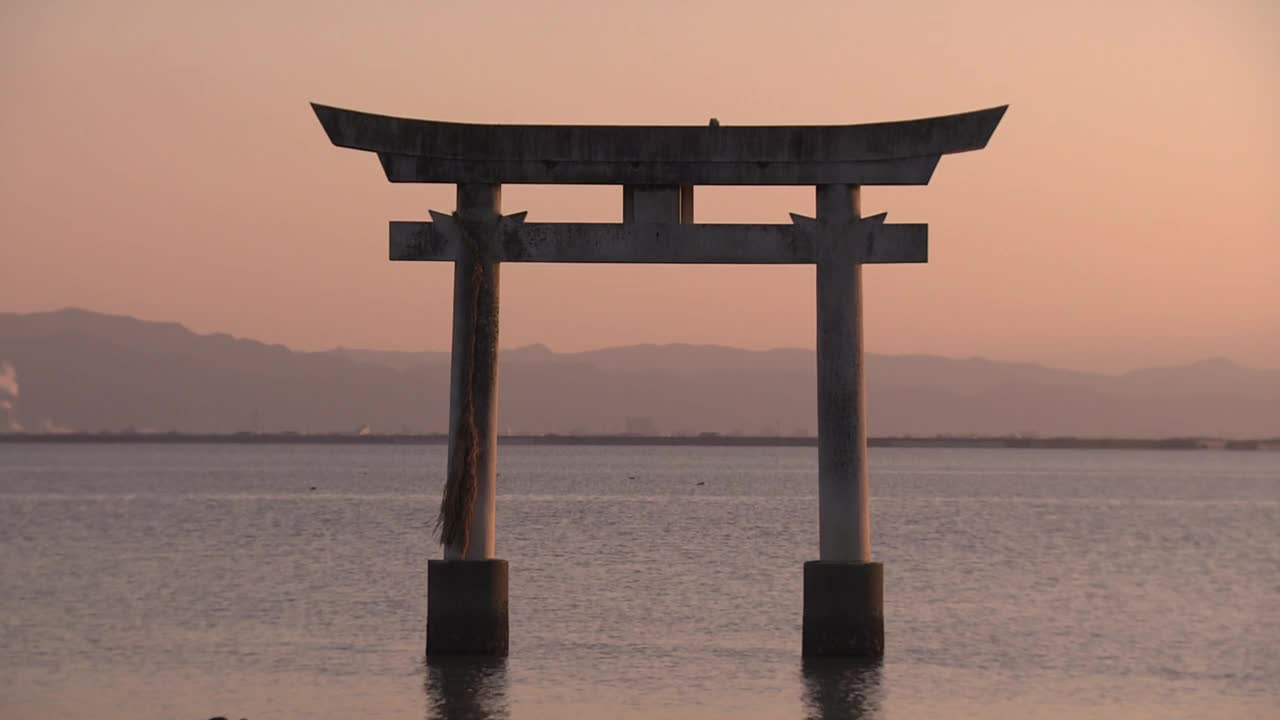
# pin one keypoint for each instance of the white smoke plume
(9, 398)
(52, 427)
(8, 380)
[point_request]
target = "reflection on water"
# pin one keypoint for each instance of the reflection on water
(836, 688)
(159, 582)
(466, 688)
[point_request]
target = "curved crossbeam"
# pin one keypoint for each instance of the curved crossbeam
(888, 153)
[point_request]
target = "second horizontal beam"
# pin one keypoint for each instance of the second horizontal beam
(659, 243)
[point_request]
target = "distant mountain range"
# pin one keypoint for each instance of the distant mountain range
(74, 369)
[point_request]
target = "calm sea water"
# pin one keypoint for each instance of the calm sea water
(192, 581)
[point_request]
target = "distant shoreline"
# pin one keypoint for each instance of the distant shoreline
(704, 439)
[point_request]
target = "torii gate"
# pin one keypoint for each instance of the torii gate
(658, 168)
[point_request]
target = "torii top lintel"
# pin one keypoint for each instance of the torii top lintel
(889, 153)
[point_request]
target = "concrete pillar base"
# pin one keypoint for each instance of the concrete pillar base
(843, 609)
(467, 607)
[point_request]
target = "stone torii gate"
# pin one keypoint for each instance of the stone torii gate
(657, 168)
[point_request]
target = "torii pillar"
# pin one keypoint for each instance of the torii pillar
(843, 589)
(658, 168)
(467, 590)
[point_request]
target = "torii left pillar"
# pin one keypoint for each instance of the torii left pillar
(467, 590)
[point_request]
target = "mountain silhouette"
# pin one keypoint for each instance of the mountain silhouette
(86, 371)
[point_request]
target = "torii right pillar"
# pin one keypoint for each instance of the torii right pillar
(843, 589)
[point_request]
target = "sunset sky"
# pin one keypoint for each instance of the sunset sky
(161, 160)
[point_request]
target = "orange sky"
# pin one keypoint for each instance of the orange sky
(160, 160)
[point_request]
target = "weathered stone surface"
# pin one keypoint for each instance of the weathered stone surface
(889, 153)
(471, 487)
(467, 607)
(654, 203)
(843, 609)
(843, 517)
(647, 144)
(663, 243)
(419, 169)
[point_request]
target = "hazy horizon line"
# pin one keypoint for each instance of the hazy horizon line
(646, 343)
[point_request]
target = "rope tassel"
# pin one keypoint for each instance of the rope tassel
(457, 506)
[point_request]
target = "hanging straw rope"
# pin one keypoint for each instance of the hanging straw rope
(453, 524)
